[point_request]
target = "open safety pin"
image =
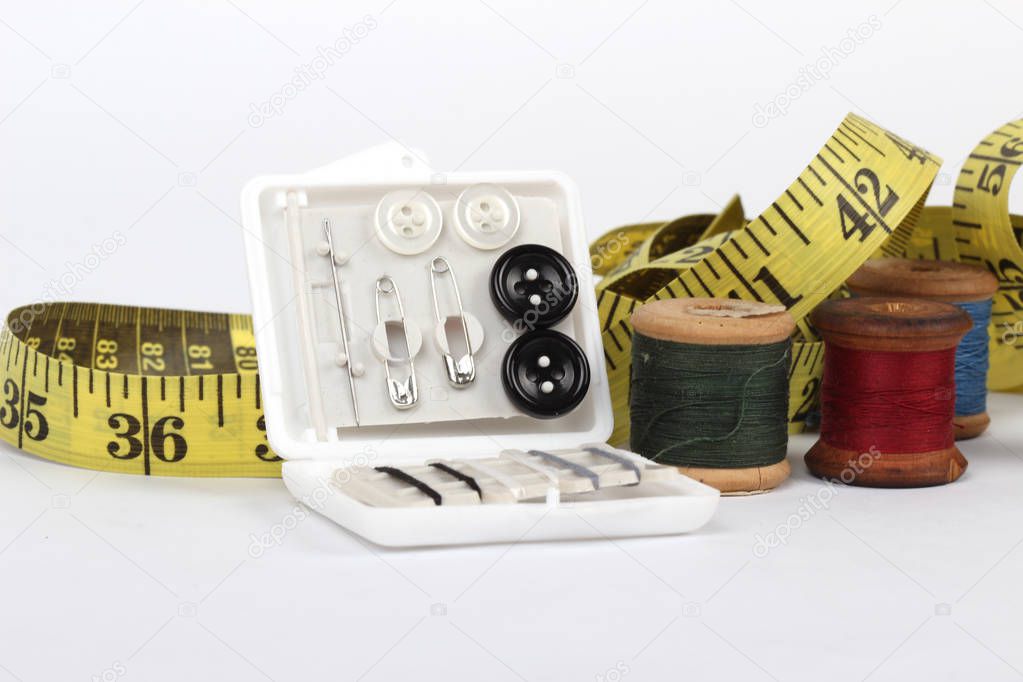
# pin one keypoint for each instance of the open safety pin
(404, 392)
(461, 372)
(341, 317)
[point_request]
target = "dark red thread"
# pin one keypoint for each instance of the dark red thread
(893, 401)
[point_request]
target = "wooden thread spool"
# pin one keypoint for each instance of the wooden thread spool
(708, 322)
(912, 332)
(956, 283)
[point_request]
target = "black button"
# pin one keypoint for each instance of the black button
(545, 373)
(533, 286)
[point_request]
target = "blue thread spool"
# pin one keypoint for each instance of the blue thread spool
(966, 286)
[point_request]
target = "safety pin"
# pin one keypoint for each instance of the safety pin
(461, 372)
(403, 393)
(341, 316)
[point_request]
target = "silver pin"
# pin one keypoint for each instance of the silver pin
(341, 316)
(461, 372)
(403, 392)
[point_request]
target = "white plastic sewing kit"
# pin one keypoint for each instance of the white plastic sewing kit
(408, 319)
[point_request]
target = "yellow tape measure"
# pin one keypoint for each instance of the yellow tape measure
(134, 390)
(862, 191)
(862, 195)
(985, 234)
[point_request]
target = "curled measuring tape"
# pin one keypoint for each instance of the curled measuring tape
(862, 192)
(803, 247)
(134, 390)
(985, 234)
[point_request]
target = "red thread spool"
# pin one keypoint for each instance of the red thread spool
(888, 394)
(934, 280)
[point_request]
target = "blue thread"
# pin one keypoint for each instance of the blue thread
(972, 360)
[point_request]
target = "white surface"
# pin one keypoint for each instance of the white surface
(649, 107)
(167, 577)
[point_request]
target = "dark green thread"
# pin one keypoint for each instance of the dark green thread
(720, 407)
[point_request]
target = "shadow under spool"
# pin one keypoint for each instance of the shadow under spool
(956, 283)
(916, 331)
(727, 324)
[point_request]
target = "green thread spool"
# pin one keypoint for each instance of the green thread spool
(709, 390)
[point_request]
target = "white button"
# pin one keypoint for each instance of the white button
(486, 216)
(408, 221)
(531, 275)
(535, 299)
(547, 387)
(543, 361)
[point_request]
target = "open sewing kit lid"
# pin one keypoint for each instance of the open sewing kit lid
(430, 357)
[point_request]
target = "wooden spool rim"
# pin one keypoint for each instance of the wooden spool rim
(741, 481)
(891, 324)
(965, 427)
(714, 321)
(889, 470)
(935, 280)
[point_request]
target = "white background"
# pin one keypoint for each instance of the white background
(134, 117)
